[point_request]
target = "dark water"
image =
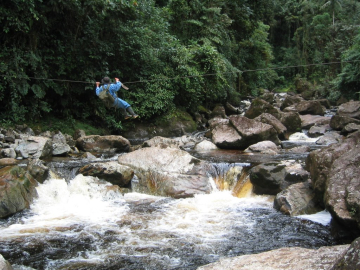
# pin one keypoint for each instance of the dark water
(78, 223)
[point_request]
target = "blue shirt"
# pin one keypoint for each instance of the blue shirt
(114, 87)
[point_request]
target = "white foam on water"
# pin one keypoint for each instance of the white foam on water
(85, 200)
(323, 217)
(301, 137)
(208, 215)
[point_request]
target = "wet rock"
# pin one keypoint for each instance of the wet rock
(271, 178)
(205, 146)
(17, 190)
(101, 144)
(350, 128)
(8, 162)
(307, 107)
(224, 135)
(4, 264)
(112, 172)
(339, 122)
(167, 172)
(79, 133)
(88, 156)
(218, 111)
(263, 147)
(335, 176)
(34, 147)
(260, 106)
(252, 131)
(350, 259)
(291, 120)
(317, 131)
(330, 138)
(297, 199)
(273, 121)
(350, 109)
(38, 170)
(309, 120)
(293, 258)
(162, 142)
(59, 145)
(290, 100)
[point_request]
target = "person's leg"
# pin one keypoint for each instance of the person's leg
(122, 105)
(130, 110)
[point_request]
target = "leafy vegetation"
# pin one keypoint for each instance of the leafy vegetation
(170, 53)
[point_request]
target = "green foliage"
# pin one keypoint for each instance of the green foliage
(348, 81)
(173, 53)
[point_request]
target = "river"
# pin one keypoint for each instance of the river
(81, 222)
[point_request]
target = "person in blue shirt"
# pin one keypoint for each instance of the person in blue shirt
(125, 107)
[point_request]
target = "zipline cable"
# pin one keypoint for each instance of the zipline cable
(189, 76)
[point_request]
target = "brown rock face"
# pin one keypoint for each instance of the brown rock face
(350, 260)
(293, 258)
(17, 190)
(110, 171)
(253, 131)
(335, 174)
(102, 144)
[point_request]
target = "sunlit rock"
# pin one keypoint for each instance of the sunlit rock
(34, 147)
(293, 258)
(167, 172)
(112, 172)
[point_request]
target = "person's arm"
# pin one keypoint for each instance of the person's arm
(98, 89)
(116, 86)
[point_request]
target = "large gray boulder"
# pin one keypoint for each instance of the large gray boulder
(272, 178)
(260, 106)
(103, 144)
(294, 258)
(17, 190)
(307, 107)
(309, 120)
(59, 145)
(297, 199)
(112, 172)
(34, 147)
(339, 122)
(167, 172)
(335, 176)
(273, 121)
(252, 131)
(224, 135)
(350, 109)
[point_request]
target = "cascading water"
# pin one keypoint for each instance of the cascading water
(86, 223)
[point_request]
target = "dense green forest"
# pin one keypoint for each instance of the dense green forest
(170, 53)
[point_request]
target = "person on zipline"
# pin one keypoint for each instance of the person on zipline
(118, 103)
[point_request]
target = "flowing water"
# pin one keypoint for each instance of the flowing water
(84, 223)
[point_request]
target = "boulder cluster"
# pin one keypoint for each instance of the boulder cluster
(327, 179)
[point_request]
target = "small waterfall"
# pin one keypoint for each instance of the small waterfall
(232, 177)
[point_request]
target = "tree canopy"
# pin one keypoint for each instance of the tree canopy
(170, 53)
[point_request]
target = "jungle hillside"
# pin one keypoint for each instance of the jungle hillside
(172, 54)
